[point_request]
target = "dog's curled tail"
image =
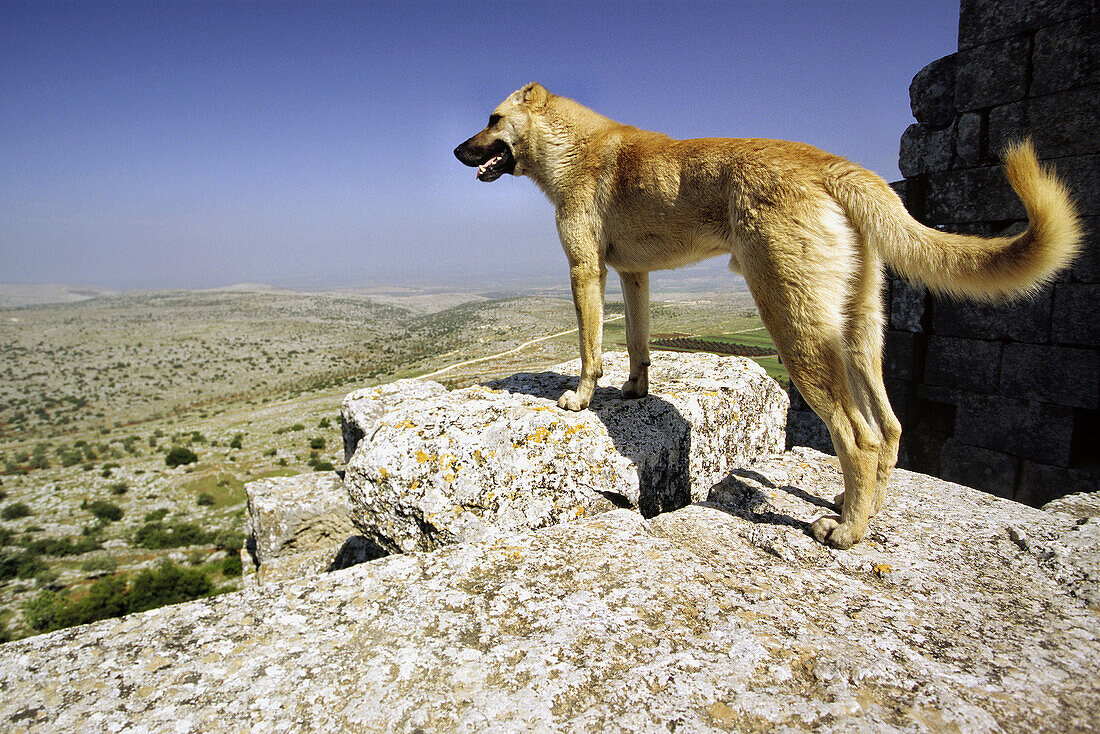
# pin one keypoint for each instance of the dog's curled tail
(985, 268)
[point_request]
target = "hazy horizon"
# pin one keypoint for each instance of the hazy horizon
(199, 145)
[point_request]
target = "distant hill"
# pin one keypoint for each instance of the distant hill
(22, 294)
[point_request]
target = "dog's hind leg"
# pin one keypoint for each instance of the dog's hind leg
(864, 341)
(636, 298)
(819, 371)
(807, 324)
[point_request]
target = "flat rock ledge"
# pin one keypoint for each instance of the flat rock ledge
(960, 612)
(427, 467)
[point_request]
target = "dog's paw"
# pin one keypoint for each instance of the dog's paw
(831, 531)
(571, 401)
(635, 388)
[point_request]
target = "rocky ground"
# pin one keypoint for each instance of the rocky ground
(959, 612)
(94, 394)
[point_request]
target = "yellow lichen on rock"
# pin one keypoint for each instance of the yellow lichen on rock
(571, 431)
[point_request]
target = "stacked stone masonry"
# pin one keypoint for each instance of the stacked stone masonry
(1005, 398)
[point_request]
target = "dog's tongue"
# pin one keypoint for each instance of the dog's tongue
(487, 164)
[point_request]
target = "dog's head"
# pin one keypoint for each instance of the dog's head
(502, 146)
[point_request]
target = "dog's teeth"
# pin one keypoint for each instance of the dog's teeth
(488, 164)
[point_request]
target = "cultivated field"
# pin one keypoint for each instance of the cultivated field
(99, 397)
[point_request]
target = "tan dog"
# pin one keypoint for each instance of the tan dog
(809, 232)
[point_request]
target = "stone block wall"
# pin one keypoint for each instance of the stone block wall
(1005, 398)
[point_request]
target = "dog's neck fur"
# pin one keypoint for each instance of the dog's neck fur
(553, 148)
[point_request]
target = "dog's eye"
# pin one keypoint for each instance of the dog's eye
(493, 119)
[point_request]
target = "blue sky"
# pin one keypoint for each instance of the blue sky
(198, 144)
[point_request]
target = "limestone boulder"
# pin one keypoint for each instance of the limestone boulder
(289, 515)
(429, 467)
(301, 524)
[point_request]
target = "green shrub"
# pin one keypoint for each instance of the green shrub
(188, 533)
(47, 576)
(156, 515)
(197, 437)
(155, 535)
(45, 611)
(119, 488)
(180, 456)
(167, 584)
(237, 442)
(205, 499)
(317, 443)
(25, 565)
(324, 466)
(63, 546)
(106, 511)
(108, 597)
(15, 510)
(12, 468)
(231, 566)
(297, 427)
(99, 564)
(228, 540)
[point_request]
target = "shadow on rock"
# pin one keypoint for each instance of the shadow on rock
(740, 494)
(355, 550)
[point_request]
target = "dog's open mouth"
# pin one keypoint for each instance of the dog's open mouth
(492, 160)
(498, 164)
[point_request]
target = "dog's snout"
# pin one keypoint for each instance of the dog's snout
(465, 155)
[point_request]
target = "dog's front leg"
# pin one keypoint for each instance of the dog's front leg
(636, 298)
(587, 280)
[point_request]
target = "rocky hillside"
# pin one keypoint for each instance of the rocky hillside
(710, 609)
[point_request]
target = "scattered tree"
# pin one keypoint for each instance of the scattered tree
(15, 510)
(180, 456)
(105, 511)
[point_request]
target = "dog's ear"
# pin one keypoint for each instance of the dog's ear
(533, 94)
